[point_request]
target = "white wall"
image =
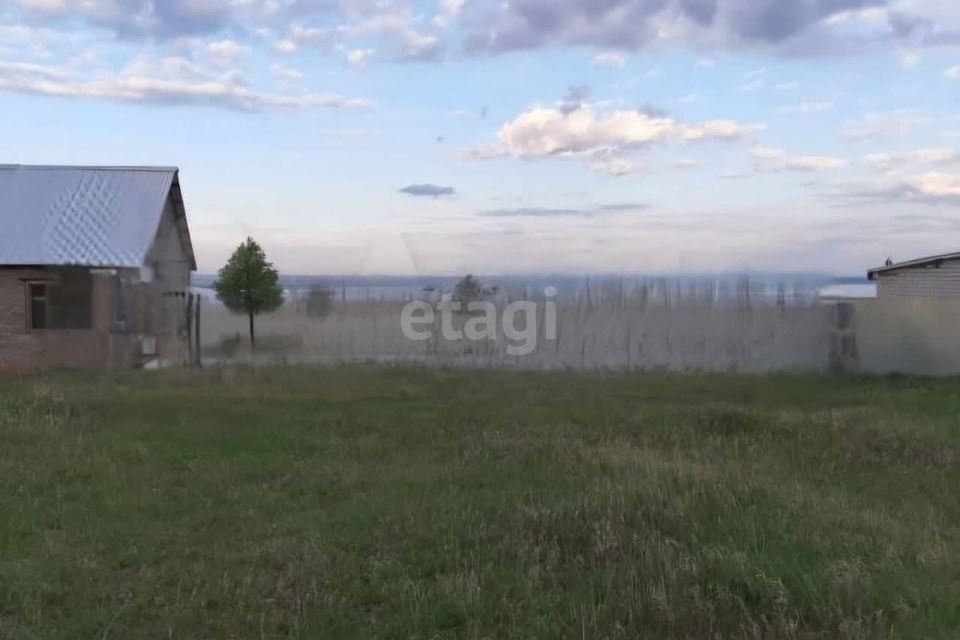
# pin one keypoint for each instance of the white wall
(925, 281)
(909, 335)
(167, 257)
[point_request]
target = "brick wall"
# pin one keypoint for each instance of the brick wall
(25, 351)
(922, 281)
(101, 347)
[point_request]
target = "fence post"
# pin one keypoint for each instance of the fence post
(189, 311)
(198, 349)
(844, 353)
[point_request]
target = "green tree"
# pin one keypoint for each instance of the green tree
(248, 284)
(468, 290)
(319, 301)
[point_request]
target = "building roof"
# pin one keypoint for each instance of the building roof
(919, 262)
(84, 216)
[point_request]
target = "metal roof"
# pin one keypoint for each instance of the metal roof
(919, 262)
(87, 216)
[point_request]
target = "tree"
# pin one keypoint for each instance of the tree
(248, 284)
(319, 300)
(469, 290)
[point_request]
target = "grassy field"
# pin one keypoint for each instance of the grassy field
(404, 503)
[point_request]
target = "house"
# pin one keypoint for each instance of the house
(95, 267)
(936, 276)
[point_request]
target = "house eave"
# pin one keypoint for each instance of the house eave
(935, 261)
(180, 212)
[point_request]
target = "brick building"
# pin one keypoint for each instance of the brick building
(933, 277)
(95, 267)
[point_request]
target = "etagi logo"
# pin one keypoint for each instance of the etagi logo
(482, 320)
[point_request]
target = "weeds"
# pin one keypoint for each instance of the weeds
(364, 502)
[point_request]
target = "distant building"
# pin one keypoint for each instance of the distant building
(95, 267)
(936, 276)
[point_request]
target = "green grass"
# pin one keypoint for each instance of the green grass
(405, 503)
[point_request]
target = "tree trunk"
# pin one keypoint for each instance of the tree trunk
(253, 341)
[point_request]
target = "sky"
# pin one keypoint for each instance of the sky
(430, 137)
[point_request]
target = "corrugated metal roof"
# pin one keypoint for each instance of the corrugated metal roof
(912, 263)
(89, 216)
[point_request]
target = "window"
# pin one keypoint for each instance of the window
(37, 293)
(64, 302)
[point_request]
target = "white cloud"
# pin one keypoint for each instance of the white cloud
(393, 26)
(162, 81)
(878, 127)
(808, 28)
(807, 107)
(398, 27)
(447, 13)
(26, 35)
(910, 59)
(610, 60)
(285, 46)
(877, 15)
(953, 73)
(546, 131)
(705, 63)
(175, 68)
(612, 165)
(166, 19)
(719, 130)
(300, 36)
(414, 45)
(893, 161)
(771, 159)
(937, 185)
(226, 49)
(930, 188)
(23, 71)
(686, 163)
(815, 163)
(360, 58)
(52, 6)
(602, 138)
(286, 75)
